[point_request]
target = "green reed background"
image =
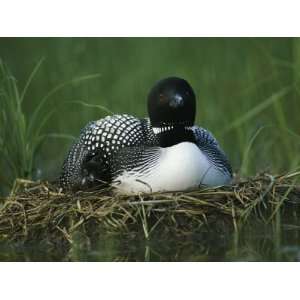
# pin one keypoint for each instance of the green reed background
(247, 95)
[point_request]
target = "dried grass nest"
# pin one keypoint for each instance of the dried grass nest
(39, 210)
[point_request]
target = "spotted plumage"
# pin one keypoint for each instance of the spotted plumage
(210, 146)
(90, 158)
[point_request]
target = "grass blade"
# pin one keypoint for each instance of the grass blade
(38, 109)
(245, 161)
(258, 109)
(100, 107)
(31, 76)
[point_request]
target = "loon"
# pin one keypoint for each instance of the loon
(165, 152)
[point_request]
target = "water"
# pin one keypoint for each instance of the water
(256, 241)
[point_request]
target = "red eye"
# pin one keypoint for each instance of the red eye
(162, 97)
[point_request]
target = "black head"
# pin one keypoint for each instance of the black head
(172, 101)
(172, 109)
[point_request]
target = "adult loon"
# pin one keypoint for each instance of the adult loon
(165, 152)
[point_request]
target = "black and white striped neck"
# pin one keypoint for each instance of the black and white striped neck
(171, 135)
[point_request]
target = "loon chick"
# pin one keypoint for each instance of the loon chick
(165, 152)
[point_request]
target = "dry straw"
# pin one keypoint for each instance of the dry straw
(39, 211)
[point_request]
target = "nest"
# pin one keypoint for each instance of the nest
(40, 211)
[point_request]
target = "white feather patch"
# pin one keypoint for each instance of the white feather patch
(180, 167)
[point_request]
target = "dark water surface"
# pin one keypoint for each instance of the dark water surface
(278, 240)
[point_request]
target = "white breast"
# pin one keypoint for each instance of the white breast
(180, 167)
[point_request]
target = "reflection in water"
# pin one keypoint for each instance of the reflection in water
(256, 241)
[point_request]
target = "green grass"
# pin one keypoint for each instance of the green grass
(22, 135)
(247, 95)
